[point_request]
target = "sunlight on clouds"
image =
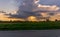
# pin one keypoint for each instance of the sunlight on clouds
(30, 5)
(44, 14)
(26, 8)
(48, 7)
(13, 12)
(5, 18)
(36, 1)
(16, 19)
(56, 16)
(32, 18)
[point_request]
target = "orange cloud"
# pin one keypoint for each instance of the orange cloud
(56, 16)
(5, 18)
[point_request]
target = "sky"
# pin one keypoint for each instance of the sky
(7, 5)
(51, 2)
(11, 6)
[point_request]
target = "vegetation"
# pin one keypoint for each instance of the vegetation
(20, 25)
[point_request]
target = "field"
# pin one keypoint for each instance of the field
(29, 25)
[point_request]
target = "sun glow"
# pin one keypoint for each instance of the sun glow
(32, 18)
(25, 7)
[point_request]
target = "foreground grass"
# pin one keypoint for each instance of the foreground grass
(30, 26)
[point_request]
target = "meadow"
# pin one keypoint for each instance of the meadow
(29, 25)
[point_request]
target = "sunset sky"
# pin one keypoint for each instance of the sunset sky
(10, 7)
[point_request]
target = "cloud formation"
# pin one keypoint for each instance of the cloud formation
(31, 9)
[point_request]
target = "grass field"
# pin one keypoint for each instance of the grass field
(30, 25)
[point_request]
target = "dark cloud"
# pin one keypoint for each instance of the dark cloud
(25, 14)
(25, 9)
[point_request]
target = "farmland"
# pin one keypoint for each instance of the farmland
(29, 25)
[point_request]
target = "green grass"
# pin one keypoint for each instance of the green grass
(30, 26)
